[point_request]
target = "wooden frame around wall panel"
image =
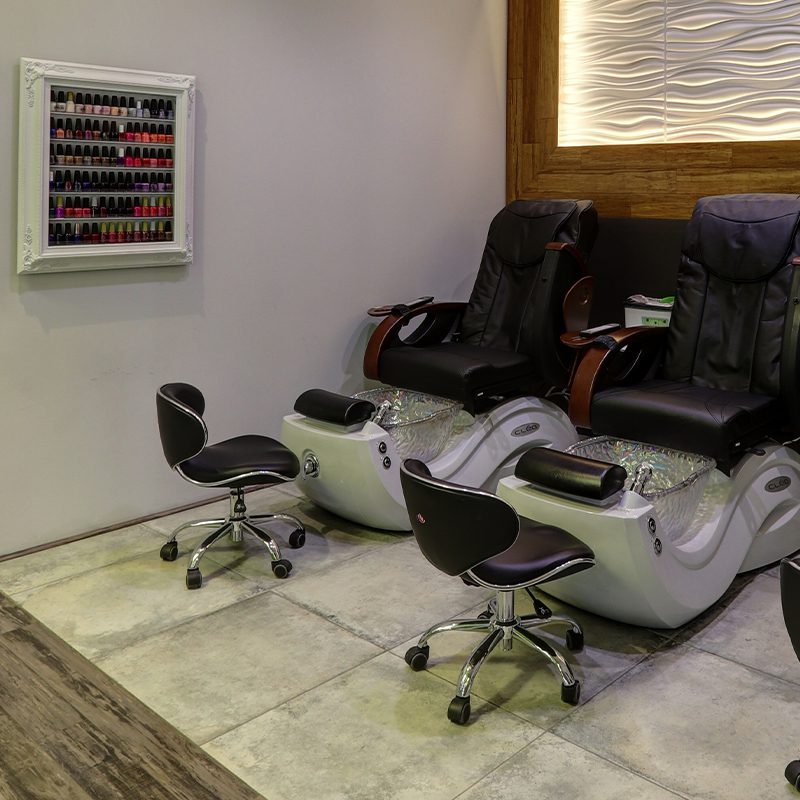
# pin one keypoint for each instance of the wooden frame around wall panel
(623, 180)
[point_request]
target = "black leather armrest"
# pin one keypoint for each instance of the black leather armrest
(565, 473)
(331, 407)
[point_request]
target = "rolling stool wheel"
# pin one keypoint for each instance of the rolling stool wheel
(574, 640)
(169, 551)
(417, 657)
(194, 580)
(281, 568)
(297, 538)
(792, 773)
(571, 694)
(458, 710)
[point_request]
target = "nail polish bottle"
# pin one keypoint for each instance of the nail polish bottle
(86, 235)
(51, 211)
(162, 161)
(78, 132)
(95, 208)
(108, 182)
(103, 233)
(128, 157)
(162, 136)
(105, 109)
(110, 210)
(68, 233)
(145, 231)
(114, 106)
(154, 210)
(76, 237)
(51, 235)
(52, 127)
(168, 206)
(153, 133)
(52, 155)
(70, 107)
(137, 232)
(121, 157)
(138, 207)
(86, 182)
(125, 134)
(128, 206)
(87, 207)
(105, 133)
(52, 99)
(60, 129)
(105, 158)
(170, 110)
(145, 134)
(59, 207)
(80, 108)
(131, 107)
(160, 235)
(162, 209)
(170, 135)
(161, 184)
(69, 211)
(68, 157)
(98, 104)
(96, 130)
(60, 157)
(123, 107)
(137, 157)
(68, 181)
(61, 104)
(95, 233)
(113, 134)
(168, 231)
(125, 181)
(88, 158)
(153, 182)
(139, 110)
(59, 234)
(88, 108)
(68, 133)
(129, 232)
(96, 158)
(146, 108)
(58, 182)
(137, 132)
(112, 234)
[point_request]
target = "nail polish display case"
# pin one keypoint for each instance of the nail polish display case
(106, 163)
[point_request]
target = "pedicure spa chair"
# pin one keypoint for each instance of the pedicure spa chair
(702, 413)
(472, 385)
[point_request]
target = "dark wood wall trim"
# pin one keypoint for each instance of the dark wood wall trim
(661, 181)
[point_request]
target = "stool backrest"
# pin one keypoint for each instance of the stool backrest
(183, 432)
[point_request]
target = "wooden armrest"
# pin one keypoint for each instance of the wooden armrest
(572, 250)
(594, 359)
(387, 333)
(577, 304)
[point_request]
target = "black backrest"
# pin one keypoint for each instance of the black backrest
(456, 528)
(730, 328)
(500, 311)
(790, 599)
(183, 433)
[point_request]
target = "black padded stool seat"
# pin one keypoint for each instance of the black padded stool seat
(236, 463)
(240, 462)
(458, 371)
(478, 537)
(540, 552)
(680, 415)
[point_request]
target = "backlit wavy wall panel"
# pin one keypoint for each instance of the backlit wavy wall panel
(650, 71)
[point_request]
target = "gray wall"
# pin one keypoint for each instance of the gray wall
(349, 153)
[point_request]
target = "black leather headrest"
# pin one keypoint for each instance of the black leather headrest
(520, 232)
(743, 238)
(566, 473)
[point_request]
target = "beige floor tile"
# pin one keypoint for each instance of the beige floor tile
(225, 668)
(551, 769)
(113, 606)
(386, 596)
(38, 569)
(370, 733)
(749, 629)
(523, 682)
(696, 723)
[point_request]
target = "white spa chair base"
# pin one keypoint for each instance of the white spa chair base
(356, 473)
(743, 522)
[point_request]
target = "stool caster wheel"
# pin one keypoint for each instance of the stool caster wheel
(417, 657)
(485, 614)
(458, 710)
(281, 568)
(169, 551)
(297, 538)
(571, 694)
(574, 640)
(793, 773)
(194, 580)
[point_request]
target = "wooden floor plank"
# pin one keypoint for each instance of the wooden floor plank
(85, 733)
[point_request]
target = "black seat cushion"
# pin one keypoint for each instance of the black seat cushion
(712, 422)
(242, 461)
(455, 370)
(537, 550)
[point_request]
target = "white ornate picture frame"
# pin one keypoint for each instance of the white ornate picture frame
(104, 200)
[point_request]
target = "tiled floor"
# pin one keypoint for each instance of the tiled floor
(299, 686)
